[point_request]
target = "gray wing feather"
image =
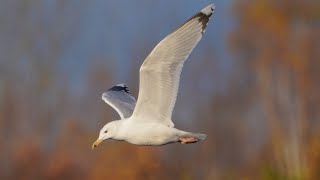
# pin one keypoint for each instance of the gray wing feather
(121, 100)
(160, 72)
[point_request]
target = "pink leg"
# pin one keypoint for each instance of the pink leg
(187, 140)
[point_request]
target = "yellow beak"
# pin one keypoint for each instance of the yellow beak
(95, 144)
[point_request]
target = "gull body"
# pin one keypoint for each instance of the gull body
(148, 120)
(144, 133)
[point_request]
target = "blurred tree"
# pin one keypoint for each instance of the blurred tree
(278, 45)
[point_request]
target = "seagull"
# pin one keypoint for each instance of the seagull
(148, 120)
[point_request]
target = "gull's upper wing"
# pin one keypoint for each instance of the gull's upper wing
(160, 72)
(120, 99)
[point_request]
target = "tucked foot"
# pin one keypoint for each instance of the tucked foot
(187, 140)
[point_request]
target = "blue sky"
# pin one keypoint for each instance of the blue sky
(115, 29)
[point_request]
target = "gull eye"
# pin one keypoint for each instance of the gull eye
(105, 131)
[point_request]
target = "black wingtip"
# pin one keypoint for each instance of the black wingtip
(204, 15)
(120, 87)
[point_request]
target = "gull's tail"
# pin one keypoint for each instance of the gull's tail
(201, 137)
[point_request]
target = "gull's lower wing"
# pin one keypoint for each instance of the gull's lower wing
(160, 72)
(120, 99)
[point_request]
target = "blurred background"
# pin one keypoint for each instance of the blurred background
(252, 84)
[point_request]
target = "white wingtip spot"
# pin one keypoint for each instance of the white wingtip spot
(208, 10)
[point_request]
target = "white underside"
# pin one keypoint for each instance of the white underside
(146, 133)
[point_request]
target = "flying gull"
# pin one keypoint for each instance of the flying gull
(148, 120)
